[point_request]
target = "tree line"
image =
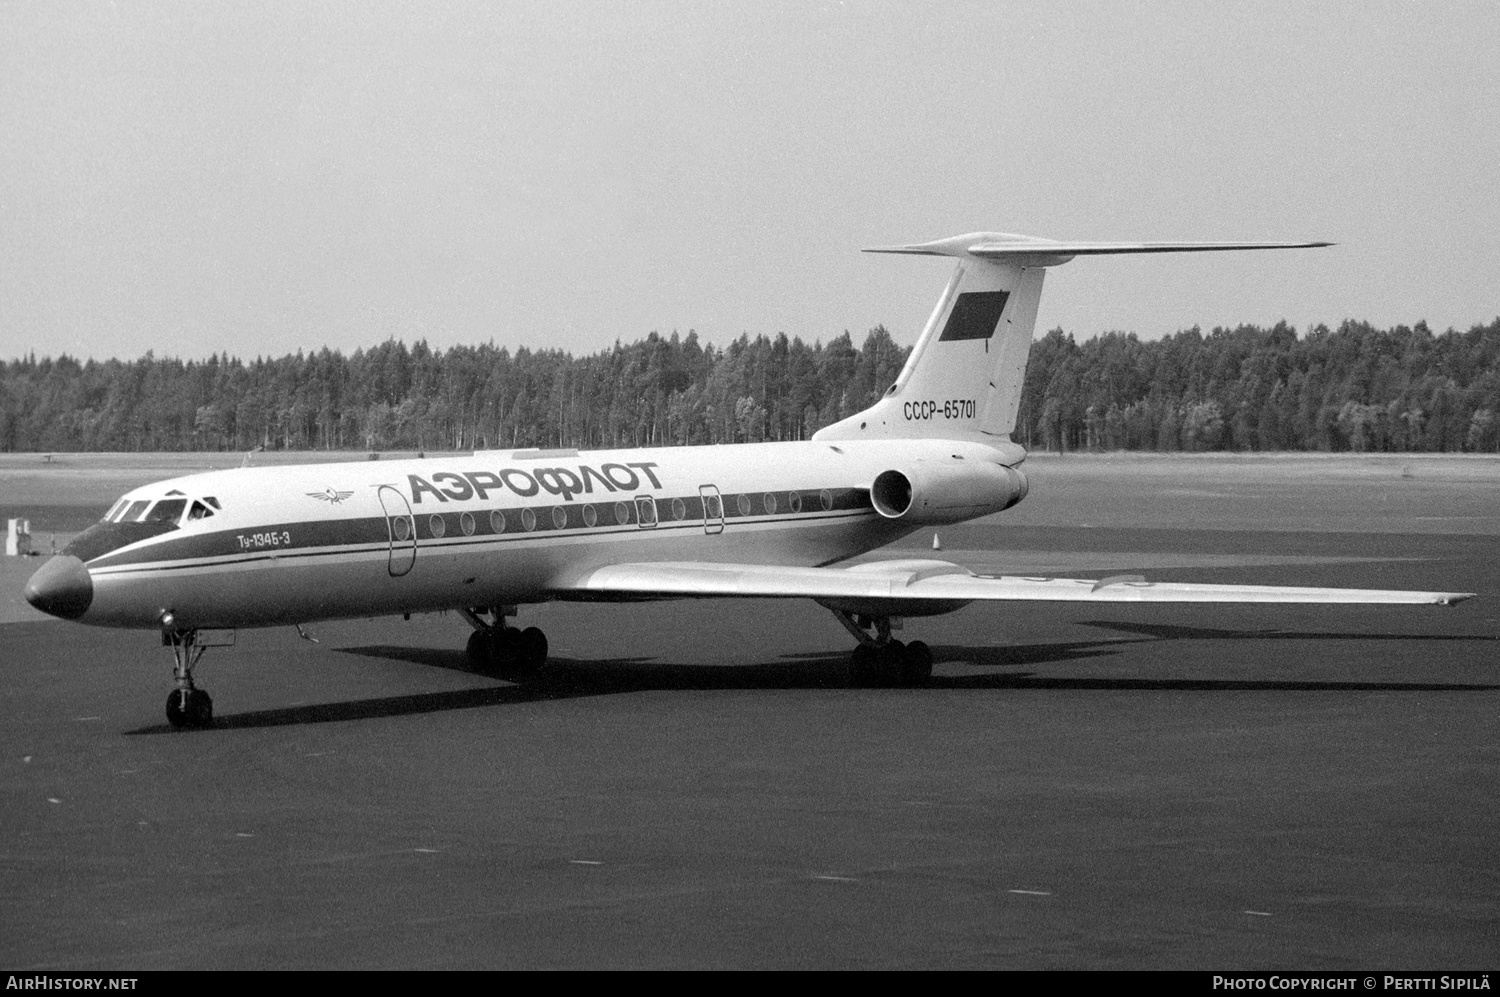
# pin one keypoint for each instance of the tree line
(660, 391)
(1356, 388)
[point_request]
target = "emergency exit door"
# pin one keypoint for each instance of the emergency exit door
(401, 527)
(713, 509)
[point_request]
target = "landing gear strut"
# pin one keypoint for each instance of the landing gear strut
(880, 660)
(504, 651)
(187, 706)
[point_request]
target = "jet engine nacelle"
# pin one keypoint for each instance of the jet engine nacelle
(927, 494)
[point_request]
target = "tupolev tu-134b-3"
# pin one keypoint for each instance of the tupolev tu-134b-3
(199, 556)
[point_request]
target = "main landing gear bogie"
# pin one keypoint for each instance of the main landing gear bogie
(892, 664)
(881, 661)
(505, 651)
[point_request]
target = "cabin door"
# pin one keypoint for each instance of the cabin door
(713, 509)
(402, 529)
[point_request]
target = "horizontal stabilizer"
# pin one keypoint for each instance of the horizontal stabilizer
(1026, 250)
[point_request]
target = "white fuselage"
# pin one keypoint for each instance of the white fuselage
(302, 543)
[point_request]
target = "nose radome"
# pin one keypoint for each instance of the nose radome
(61, 587)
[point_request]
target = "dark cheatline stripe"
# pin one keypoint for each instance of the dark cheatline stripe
(268, 539)
(101, 538)
(280, 539)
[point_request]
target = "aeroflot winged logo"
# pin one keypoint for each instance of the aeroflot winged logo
(453, 486)
(329, 495)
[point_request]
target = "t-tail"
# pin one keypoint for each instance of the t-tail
(964, 377)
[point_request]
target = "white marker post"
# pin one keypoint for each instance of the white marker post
(18, 538)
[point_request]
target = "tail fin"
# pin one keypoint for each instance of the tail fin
(963, 379)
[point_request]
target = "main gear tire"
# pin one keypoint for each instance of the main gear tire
(916, 664)
(530, 652)
(876, 666)
(478, 650)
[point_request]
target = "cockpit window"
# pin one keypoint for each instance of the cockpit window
(134, 512)
(213, 502)
(109, 516)
(166, 511)
(199, 511)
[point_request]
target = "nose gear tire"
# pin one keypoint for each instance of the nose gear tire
(190, 708)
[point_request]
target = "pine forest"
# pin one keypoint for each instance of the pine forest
(1354, 388)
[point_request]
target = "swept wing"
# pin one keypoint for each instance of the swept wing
(914, 581)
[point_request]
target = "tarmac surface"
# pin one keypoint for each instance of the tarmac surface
(691, 784)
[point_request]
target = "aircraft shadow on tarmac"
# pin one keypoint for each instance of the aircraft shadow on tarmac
(569, 678)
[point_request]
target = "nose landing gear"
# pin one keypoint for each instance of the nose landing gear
(880, 661)
(190, 708)
(504, 651)
(187, 705)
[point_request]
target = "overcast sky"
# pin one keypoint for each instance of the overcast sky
(258, 178)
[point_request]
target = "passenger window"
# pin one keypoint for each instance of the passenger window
(166, 511)
(199, 511)
(134, 512)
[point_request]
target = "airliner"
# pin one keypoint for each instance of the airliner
(200, 556)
